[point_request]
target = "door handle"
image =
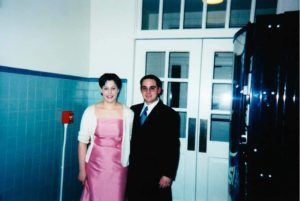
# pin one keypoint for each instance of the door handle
(244, 135)
(246, 93)
(203, 136)
(191, 134)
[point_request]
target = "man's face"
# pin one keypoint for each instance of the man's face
(149, 90)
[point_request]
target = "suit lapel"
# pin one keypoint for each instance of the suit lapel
(138, 111)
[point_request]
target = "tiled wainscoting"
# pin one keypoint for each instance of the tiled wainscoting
(31, 132)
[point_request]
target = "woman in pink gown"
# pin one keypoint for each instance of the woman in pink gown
(104, 141)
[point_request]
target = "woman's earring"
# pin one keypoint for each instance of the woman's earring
(101, 94)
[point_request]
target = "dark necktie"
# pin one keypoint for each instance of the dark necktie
(144, 115)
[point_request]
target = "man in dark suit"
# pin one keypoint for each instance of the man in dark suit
(154, 154)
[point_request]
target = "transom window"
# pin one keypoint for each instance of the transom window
(194, 14)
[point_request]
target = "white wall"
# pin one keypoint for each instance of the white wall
(45, 35)
(112, 39)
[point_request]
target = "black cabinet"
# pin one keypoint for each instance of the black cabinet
(264, 136)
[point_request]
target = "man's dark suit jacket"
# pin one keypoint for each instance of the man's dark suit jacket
(154, 153)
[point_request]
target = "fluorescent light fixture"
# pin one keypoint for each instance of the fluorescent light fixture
(212, 1)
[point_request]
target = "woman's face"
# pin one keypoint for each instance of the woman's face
(110, 91)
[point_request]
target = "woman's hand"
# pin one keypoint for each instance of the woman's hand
(82, 176)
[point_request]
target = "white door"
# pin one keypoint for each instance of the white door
(193, 74)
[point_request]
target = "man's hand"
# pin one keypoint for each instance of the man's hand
(165, 182)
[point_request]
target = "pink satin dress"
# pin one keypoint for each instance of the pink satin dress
(106, 177)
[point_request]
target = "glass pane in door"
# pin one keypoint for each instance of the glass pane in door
(150, 12)
(216, 15)
(192, 14)
(155, 63)
(182, 116)
(222, 97)
(220, 125)
(171, 14)
(177, 94)
(223, 65)
(178, 65)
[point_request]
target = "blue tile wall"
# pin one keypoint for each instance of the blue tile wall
(31, 132)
